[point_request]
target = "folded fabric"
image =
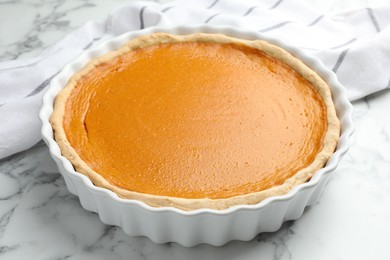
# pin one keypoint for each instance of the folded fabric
(355, 45)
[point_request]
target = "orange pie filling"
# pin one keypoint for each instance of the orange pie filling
(195, 120)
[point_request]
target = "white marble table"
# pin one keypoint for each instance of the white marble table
(40, 219)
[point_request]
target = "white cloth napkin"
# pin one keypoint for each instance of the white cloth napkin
(355, 45)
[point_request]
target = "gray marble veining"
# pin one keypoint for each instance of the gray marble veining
(40, 219)
(40, 23)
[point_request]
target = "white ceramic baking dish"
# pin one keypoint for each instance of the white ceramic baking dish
(189, 228)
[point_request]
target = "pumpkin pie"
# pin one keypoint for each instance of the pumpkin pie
(196, 121)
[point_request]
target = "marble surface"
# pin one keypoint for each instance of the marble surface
(40, 219)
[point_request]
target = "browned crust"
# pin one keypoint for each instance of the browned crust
(330, 139)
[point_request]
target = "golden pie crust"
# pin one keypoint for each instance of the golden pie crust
(330, 138)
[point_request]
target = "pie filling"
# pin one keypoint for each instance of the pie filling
(195, 120)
